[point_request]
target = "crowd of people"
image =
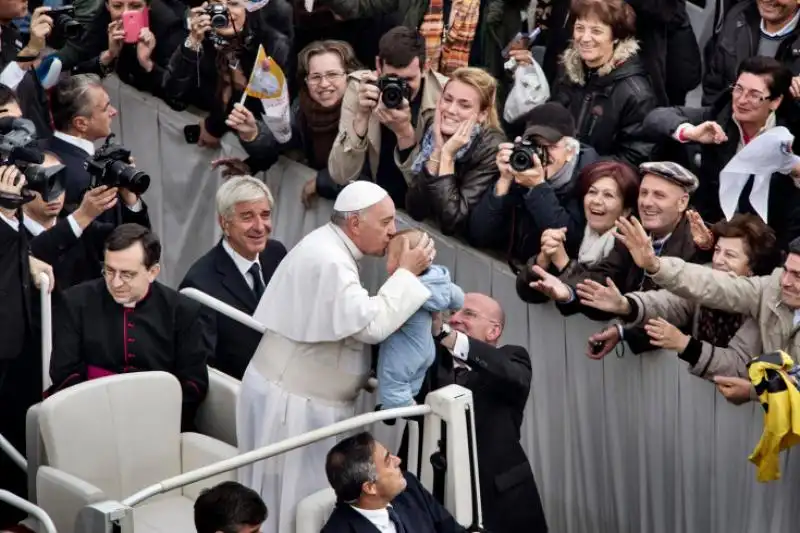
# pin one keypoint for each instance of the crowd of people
(615, 198)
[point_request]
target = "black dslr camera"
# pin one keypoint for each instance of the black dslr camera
(18, 148)
(64, 23)
(218, 14)
(393, 91)
(110, 166)
(522, 155)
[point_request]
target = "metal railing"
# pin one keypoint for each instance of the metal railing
(47, 328)
(273, 449)
(33, 510)
(221, 307)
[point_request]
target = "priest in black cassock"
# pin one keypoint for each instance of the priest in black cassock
(128, 322)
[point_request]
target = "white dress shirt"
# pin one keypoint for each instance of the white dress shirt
(37, 229)
(242, 264)
(13, 222)
(85, 145)
(379, 518)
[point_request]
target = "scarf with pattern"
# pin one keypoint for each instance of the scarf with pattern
(448, 48)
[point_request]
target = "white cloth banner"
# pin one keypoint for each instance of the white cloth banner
(768, 153)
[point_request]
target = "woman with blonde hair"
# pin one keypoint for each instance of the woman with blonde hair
(455, 162)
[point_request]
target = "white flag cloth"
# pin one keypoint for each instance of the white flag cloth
(768, 153)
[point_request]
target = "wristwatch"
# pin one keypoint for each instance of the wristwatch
(446, 330)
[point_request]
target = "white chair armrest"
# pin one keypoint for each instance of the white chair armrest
(34, 449)
(313, 511)
(63, 495)
(198, 451)
(216, 416)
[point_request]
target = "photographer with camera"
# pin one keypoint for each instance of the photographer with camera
(73, 242)
(536, 190)
(17, 62)
(212, 68)
(132, 38)
(385, 113)
(19, 344)
(82, 114)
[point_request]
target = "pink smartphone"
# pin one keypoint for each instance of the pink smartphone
(132, 24)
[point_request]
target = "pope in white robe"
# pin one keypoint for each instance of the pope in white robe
(311, 363)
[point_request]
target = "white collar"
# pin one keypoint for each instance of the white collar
(351, 246)
(786, 30)
(84, 144)
(379, 517)
(243, 264)
(33, 226)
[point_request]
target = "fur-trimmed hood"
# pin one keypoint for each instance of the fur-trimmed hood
(575, 70)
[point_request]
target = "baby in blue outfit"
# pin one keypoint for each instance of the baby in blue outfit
(405, 356)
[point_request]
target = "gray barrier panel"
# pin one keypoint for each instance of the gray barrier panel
(626, 445)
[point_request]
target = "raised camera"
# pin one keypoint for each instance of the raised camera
(18, 148)
(110, 166)
(393, 91)
(522, 155)
(64, 23)
(218, 14)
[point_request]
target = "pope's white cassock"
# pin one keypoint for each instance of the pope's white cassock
(311, 362)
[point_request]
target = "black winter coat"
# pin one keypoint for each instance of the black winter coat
(738, 40)
(609, 104)
(514, 223)
(194, 77)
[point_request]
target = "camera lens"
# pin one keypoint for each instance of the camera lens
(392, 96)
(129, 178)
(71, 28)
(521, 159)
(219, 20)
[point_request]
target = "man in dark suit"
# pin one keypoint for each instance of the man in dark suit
(82, 114)
(238, 268)
(73, 242)
(373, 494)
(500, 380)
(20, 381)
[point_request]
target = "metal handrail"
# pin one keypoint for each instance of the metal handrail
(221, 307)
(278, 448)
(34, 510)
(47, 328)
(12, 452)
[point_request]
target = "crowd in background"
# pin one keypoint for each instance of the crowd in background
(584, 168)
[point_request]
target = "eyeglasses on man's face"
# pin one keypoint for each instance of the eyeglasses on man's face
(126, 276)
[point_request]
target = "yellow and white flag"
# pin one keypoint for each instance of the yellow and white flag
(268, 84)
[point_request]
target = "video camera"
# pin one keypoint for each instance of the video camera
(393, 91)
(64, 23)
(18, 148)
(110, 166)
(521, 158)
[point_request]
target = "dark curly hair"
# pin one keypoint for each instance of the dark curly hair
(760, 243)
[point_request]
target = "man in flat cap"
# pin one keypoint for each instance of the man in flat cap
(311, 362)
(663, 200)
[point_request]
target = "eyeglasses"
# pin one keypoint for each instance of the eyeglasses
(469, 313)
(125, 276)
(749, 94)
(330, 77)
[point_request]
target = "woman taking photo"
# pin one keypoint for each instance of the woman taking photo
(212, 68)
(455, 160)
(322, 69)
(604, 83)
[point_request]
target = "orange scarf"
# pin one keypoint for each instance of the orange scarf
(449, 48)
